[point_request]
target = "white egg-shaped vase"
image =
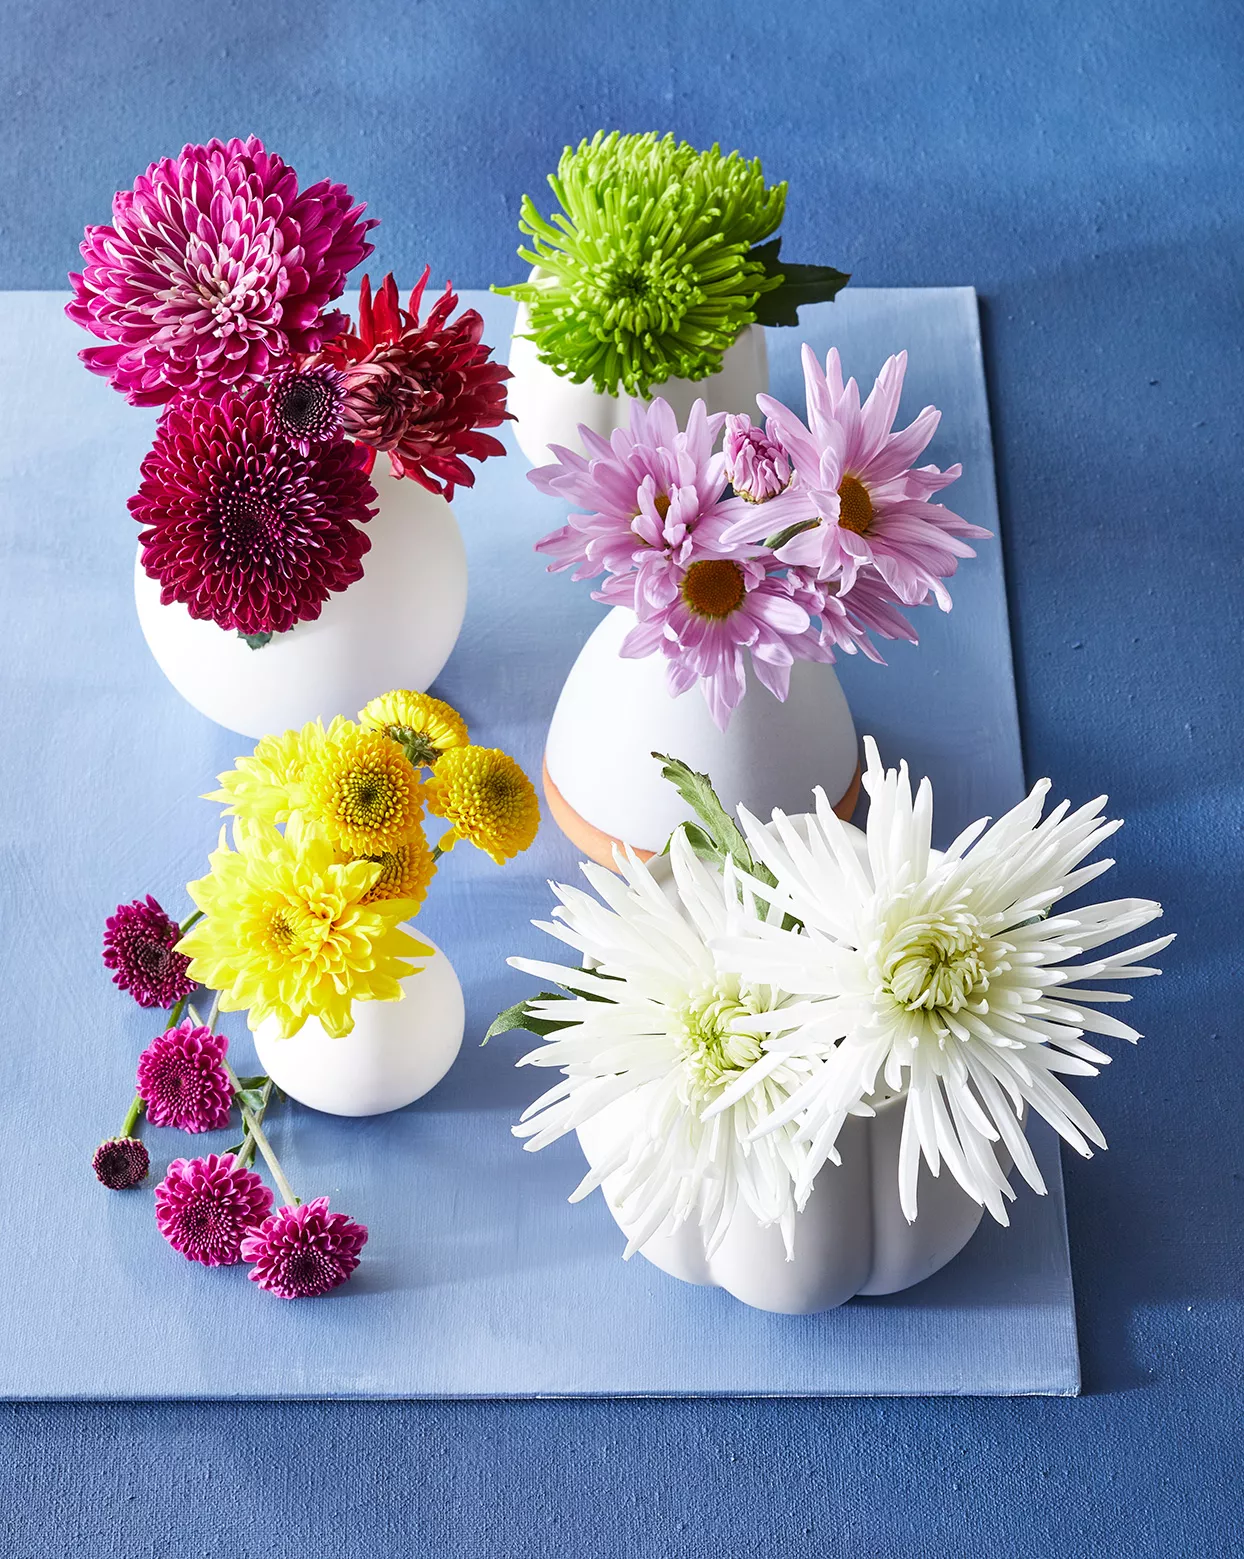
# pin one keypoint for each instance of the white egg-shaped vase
(851, 1238)
(394, 628)
(548, 408)
(397, 1051)
(604, 787)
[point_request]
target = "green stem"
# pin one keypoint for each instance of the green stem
(190, 921)
(255, 1130)
(247, 1151)
(174, 1017)
(131, 1117)
(437, 852)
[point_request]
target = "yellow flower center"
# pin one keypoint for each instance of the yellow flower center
(714, 587)
(855, 511)
(661, 503)
(712, 1053)
(368, 798)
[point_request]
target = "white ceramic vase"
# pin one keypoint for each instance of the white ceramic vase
(548, 408)
(396, 1052)
(604, 787)
(394, 628)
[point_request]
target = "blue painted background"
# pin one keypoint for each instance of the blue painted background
(1081, 165)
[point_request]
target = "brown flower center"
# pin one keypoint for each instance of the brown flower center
(855, 511)
(661, 503)
(714, 587)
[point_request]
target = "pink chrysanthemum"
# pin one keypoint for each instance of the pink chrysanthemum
(421, 391)
(139, 942)
(205, 1207)
(653, 495)
(757, 464)
(240, 527)
(215, 267)
(182, 1081)
(121, 1163)
(856, 490)
(304, 406)
(300, 1252)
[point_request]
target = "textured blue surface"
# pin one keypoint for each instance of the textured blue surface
(1080, 166)
(479, 1279)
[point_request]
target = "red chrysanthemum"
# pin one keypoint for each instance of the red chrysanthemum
(215, 267)
(182, 1079)
(421, 392)
(205, 1207)
(301, 1252)
(139, 942)
(241, 528)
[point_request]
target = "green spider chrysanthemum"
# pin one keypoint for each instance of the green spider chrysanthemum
(645, 274)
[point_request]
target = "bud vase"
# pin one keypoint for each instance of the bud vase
(604, 787)
(396, 1052)
(394, 628)
(549, 408)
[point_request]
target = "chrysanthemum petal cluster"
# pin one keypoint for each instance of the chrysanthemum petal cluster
(361, 788)
(645, 273)
(121, 1163)
(304, 406)
(425, 727)
(242, 529)
(206, 1206)
(304, 1251)
(182, 1079)
(420, 390)
(216, 267)
(487, 799)
(140, 944)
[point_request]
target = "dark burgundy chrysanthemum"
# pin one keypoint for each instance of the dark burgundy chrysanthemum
(304, 406)
(139, 939)
(216, 265)
(241, 528)
(301, 1252)
(121, 1163)
(205, 1207)
(421, 391)
(182, 1081)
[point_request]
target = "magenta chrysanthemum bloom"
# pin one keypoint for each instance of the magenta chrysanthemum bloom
(139, 942)
(121, 1163)
(300, 1252)
(757, 464)
(182, 1081)
(653, 495)
(241, 528)
(205, 1207)
(421, 390)
(215, 267)
(304, 406)
(856, 490)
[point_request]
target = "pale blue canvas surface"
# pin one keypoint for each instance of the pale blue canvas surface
(479, 1280)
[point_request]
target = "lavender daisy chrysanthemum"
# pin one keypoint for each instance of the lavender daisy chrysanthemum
(121, 1163)
(302, 1252)
(758, 465)
(139, 946)
(216, 265)
(182, 1080)
(205, 1207)
(304, 406)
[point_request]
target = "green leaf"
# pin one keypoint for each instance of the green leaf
(781, 537)
(255, 640)
(800, 285)
(252, 1098)
(253, 1082)
(697, 791)
(702, 842)
(519, 1017)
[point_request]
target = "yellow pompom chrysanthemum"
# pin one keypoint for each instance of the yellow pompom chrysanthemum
(487, 799)
(288, 932)
(425, 727)
(360, 788)
(405, 871)
(263, 787)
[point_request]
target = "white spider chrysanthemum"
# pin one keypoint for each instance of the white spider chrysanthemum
(658, 1020)
(941, 973)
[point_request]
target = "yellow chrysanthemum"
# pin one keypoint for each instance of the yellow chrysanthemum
(488, 800)
(288, 932)
(425, 727)
(362, 791)
(405, 871)
(264, 786)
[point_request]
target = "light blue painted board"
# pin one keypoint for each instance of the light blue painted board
(479, 1279)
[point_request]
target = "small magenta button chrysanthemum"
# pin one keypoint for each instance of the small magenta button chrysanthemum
(304, 406)
(182, 1081)
(205, 1207)
(121, 1163)
(139, 942)
(301, 1252)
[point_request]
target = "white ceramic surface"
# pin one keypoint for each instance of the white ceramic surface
(548, 409)
(394, 628)
(397, 1051)
(613, 714)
